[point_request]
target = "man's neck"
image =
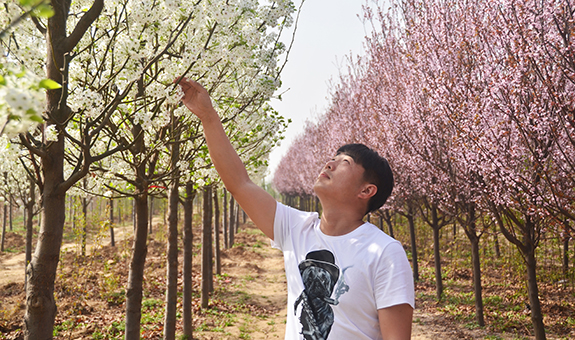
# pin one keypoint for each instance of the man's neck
(337, 222)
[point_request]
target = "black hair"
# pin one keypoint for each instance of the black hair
(377, 172)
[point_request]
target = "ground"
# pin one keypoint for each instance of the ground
(249, 299)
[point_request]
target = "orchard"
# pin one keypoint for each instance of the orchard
(471, 102)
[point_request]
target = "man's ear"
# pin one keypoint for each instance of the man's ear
(368, 191)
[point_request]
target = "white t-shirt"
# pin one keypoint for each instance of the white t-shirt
(346, 278)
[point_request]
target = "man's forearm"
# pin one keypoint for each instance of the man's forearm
(225, 158)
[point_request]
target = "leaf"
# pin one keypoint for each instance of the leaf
(49, 84)
(36, 118)
(2, 80)
(29, 2)
(44, 11)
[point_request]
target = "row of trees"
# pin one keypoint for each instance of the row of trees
(112, 125)
(472, 103)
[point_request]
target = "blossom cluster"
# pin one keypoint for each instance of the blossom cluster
(478, 115)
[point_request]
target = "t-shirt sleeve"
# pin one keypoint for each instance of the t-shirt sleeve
(286, 219)
(394, 281)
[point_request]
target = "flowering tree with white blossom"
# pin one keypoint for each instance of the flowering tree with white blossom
(116, 64)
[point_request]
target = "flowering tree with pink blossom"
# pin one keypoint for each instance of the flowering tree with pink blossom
(473, 104)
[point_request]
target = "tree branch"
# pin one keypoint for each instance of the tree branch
(85, 22)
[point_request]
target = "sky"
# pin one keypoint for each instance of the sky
(327, 32)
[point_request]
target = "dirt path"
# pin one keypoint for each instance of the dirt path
(253, 275)
(257, 270)
(12, 264)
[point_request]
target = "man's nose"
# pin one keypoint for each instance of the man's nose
(329, 165)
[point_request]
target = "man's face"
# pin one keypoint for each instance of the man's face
(341, 176)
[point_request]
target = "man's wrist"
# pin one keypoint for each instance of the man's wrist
(210, 117)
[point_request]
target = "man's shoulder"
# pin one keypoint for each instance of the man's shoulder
(376, 240)
(295, 216)
(296, 213)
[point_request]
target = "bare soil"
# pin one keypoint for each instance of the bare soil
(249, 299)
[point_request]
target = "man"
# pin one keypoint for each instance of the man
(346, 278)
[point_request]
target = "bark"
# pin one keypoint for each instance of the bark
(225, 218)
(237, 223)
(432, 217)
(387, 217)
(477, 288)
(41, 272)
(437, 259)
(10, 212)
(217, 254)
(29, 207)
(232, 222)
(415, 264)
(119, 211)
(4, 217)
(532, 288)
(206, 247)
(136, 272)
(172, 251)
(85, 221)
(187, 265)
(112, 240)
(172, 265)
(471, 231)
(527, 246)
(151, 215)
(566, 248)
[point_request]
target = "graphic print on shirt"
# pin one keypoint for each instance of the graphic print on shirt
(320, 275)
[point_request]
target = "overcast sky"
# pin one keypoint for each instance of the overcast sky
(328, 31)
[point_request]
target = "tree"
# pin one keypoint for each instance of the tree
(103, 108)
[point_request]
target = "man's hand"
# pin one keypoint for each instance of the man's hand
(197, 99)
(256, 202)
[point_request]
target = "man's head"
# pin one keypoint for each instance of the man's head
(377, 172)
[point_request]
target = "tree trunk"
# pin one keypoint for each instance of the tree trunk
(112, 240)
(387, 217)
(438, 279)
(187, 265)
(232, 222)
(217, 233)
(136, 272)
(134, 213)
(225, 218)
(151, 214)
(10, 209)
(119, 211)
(532, 289)
(207, 246)
(29, 207)
(469, 227)
(172, 251)
(172, 265)
(477, 287)
(415, 263)
(41, 272)
(237, 223)
(566, 237)
(85, 226)
(4, 217)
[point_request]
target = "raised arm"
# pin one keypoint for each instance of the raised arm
(256, 202)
